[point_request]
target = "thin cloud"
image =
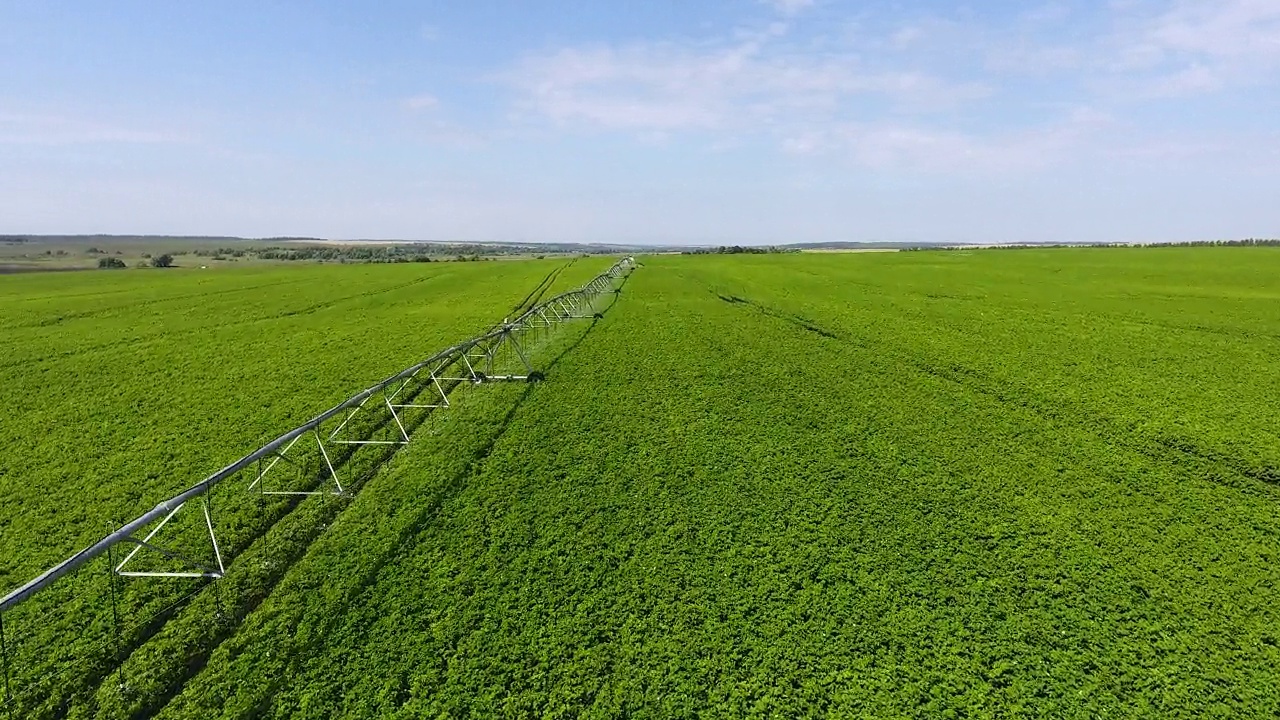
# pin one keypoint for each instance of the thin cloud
(890, 146)
(911, 92)
(743, 86)
(790, 7)
(1221, 28)
(1199, 46)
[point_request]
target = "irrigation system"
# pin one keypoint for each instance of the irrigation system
(499, 355)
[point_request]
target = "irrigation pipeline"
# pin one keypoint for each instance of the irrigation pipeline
(559, 308)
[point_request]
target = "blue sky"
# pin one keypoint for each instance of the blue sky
(663, 121)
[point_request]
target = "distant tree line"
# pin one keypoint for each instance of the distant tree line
(114, 263)
(740, 250)
(360, 253)
(1247, 242)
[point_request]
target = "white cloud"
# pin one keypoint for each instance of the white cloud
(1220, 28)
(890, 146)
(923, 92)
(790, 7)
(744, 86)
(1048, 14)
(1193, 80)
(1197, 46)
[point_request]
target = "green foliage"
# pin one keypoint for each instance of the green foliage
(132, 386)
(162, 261)
(1034, 484)
(108, 263)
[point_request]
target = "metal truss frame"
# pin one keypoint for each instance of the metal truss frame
(476, 361)
(197, 569)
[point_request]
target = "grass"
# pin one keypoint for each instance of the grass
(1034, 483)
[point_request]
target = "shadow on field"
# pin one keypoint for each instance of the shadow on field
(799, 321)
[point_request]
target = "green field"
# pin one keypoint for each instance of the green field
(1033, 483)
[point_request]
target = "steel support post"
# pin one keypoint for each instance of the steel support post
(394, 416)
(205, 570)
(470, 368)
(4, 660)
(332, 473)
(115, 616)
(279, 455)
(213, 538)
(528, 369)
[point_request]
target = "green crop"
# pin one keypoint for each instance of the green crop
(935, 484)
(121, 389)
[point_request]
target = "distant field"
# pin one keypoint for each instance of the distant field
(20, 254)
(1040, 483)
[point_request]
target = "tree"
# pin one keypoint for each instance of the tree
(162, 261)
(109, 263)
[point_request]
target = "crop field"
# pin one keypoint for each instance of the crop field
(1032, 483)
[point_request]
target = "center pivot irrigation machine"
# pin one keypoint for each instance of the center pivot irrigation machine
(304, 461)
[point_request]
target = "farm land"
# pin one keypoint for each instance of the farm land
(20, 253)
(1032, 483)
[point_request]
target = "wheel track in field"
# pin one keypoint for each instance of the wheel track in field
(543, 283)
(541, 289)
(540, 292)
(1182, 453)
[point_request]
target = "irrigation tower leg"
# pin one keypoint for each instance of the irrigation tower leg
(528, 369)
(4, 660)
(115, 614)
(217, 553)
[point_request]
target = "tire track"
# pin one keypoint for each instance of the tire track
(1181, 453)
(537, 292)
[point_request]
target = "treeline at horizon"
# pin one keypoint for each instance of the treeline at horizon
(371, 253)
(1247, 242)
(741, 250)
